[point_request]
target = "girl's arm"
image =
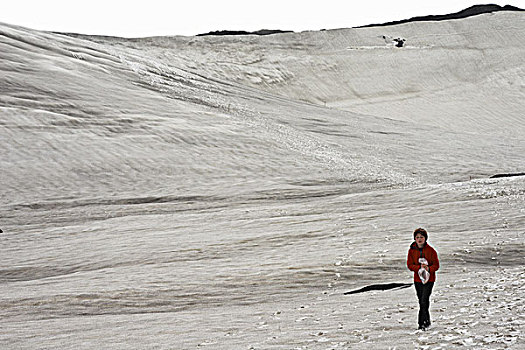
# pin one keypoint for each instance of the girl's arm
(435, 262)
(411, 264)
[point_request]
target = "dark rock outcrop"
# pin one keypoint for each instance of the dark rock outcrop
(468, 12)
(507, 175)
(385, 286)
(242, 32)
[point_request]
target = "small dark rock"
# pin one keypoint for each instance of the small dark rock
(399, 42)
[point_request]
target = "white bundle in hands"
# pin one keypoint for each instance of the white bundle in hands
(424, 275)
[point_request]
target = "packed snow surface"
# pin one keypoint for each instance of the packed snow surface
(224, 192)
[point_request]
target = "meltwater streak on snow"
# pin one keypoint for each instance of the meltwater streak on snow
(225, 192)
(176, 83)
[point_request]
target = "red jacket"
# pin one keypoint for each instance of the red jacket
(427, 252)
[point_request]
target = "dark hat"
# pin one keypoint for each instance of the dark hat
(422, 231)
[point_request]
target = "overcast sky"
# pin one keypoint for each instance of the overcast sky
(191, 17)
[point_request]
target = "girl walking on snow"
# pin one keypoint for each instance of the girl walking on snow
(423, 260)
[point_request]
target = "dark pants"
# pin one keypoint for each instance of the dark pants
(423, 294)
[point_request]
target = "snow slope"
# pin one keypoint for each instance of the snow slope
(224, 192)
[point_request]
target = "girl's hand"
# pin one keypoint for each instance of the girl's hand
(425, 267)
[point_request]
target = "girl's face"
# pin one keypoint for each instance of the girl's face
(420, 239)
